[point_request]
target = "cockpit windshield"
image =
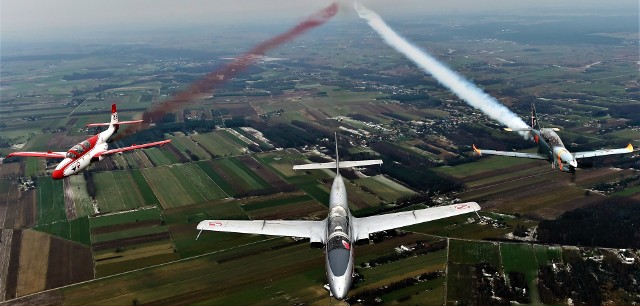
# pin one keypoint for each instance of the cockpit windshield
(78, 149)
(339, 242)
(338, 229)
(552, 138)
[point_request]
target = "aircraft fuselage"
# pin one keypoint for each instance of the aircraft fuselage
(82, 155)
(550, 144)
(339, 245)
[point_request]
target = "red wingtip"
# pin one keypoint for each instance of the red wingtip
(113, 108)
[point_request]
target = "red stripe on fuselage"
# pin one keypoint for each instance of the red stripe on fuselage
(92, 141)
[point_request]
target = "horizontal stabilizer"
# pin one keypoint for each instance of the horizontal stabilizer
(119, 122)
(517, 130)
(343, 164)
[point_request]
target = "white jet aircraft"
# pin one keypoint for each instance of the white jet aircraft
(340, 229)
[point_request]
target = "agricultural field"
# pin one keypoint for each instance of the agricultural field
(39, 261)
(219, 143)
(76, 191)
(180, 185)
(388, 190)
(130, 240)
(115, 191)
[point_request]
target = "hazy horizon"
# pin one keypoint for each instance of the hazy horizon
(71, 20)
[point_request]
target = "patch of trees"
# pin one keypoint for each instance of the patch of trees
(488, 287)
(611, 223)
(393, 152)
(581, 284)
(427, 148)
(421, 248)
(371, 297)
(287, 136)
(312, 129)
(420, 178)
(91, 185)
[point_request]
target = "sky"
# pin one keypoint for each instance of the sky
(32, 20)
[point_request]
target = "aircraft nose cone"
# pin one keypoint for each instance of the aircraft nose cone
(573, 163)
(341, 293)
(57, 174)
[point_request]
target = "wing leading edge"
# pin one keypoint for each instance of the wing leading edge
(315, 230)
(512, 154)
(134, 147)
(586, 154)
(38, 154)
(368, 225)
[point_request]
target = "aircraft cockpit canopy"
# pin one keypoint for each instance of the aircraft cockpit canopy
(552, 138)
(78, 149)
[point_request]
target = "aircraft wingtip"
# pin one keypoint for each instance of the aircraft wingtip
(476, 150)
(630, 147)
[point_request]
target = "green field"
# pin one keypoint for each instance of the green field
(217, 144)
(127, 217)
(184, 143)
(167, 187)
(471, 252)
(81, 199)
(276, 202)
(159, 157)
(50, 202)
(115, 191)
(521, 258)
(483, 165)
(224, 185)
(385, 188)
(128, 233)
(147, 194)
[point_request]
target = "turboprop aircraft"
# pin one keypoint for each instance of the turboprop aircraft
(93, 149)
(340, 229)
(551, 148)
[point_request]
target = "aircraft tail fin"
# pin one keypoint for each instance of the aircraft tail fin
(534, 118)
(337, 157)
(114, 119)
(338, 164)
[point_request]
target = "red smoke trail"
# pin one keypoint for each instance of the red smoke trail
(219, 76)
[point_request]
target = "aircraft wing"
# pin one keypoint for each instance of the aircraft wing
(315, 230)
(586, 154)
(38, 154)
(107, 124)
(134, 147)
(365, 226)
(512, 154)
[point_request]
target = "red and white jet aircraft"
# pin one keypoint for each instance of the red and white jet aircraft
(93, 149)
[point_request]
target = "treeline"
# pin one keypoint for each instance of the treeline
(157, 132)
(611, 223)
(421, 178)
(371, 297)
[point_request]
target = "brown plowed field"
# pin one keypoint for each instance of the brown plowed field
(265, 173)
(69, 263)
(14, 265)
(26, 209)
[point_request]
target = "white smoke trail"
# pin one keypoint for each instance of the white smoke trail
(464, 89)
